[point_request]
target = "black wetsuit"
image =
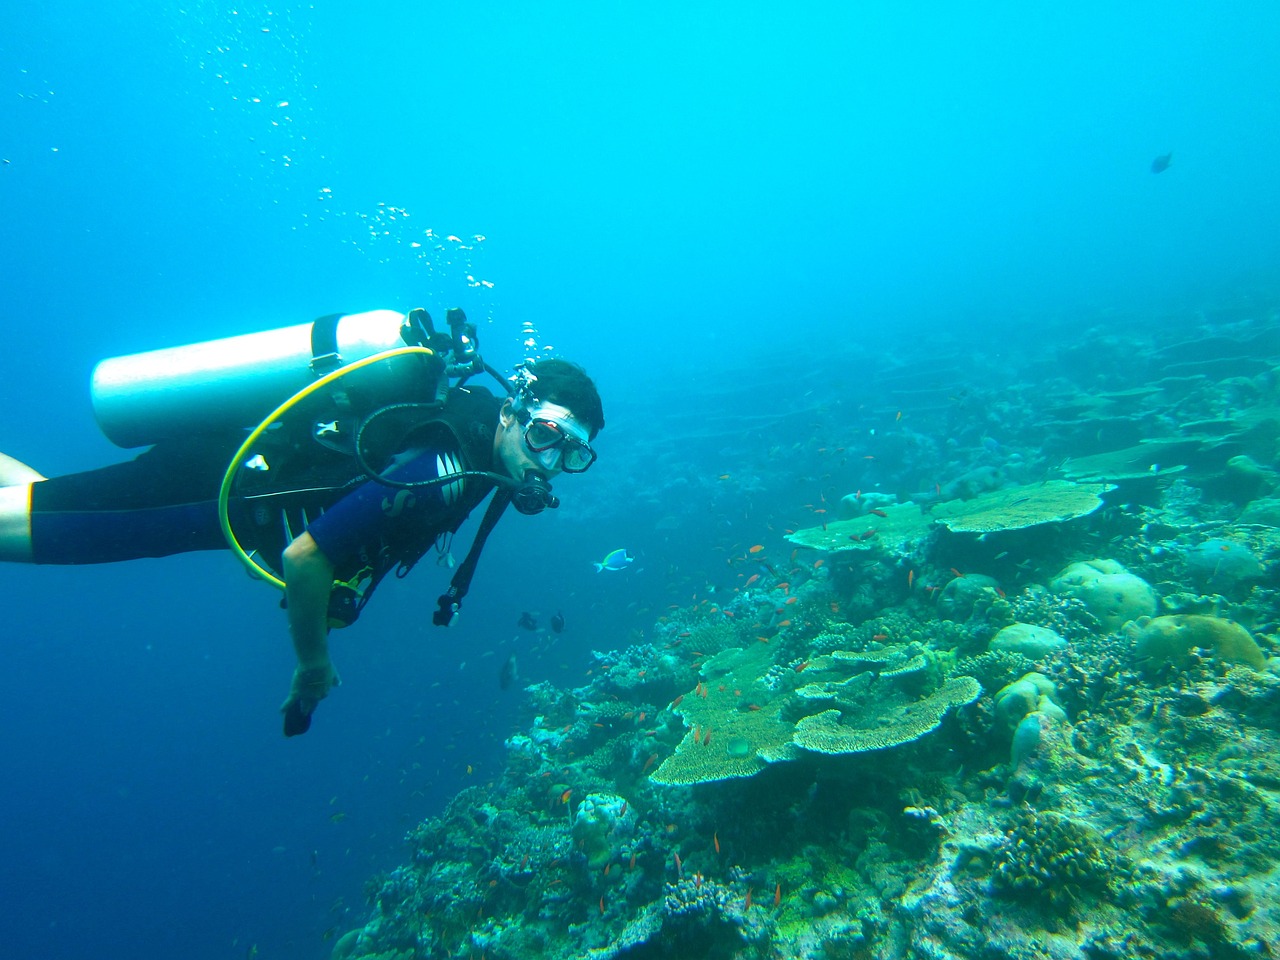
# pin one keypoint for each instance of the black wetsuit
(165, 501)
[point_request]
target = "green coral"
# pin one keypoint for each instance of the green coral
(887, 718)
(740, 721)
(730, 706)
(901, 524)
(1014, 508)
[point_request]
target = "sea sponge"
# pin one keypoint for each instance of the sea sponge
(1109, 591)
(600, 823)
(1050, 858)
(961, 595)
(1170, 640)
(1033, 693)
(1222, 565)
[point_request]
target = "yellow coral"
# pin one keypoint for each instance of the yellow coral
(1171, 639)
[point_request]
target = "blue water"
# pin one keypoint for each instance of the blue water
(694, 203)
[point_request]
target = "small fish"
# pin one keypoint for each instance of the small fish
(777, 894)
(509, 673)
(752, 579)
(707, 739)
(801, 665)
(757, 548)
(338, 817)
(878, 512)
(715, 840)
(676, 701)
(564, 797)
(557, 622)
(679, 866)
(616, 560)
(879, 636)
(748, 903)
(1161, 163)
(911, 578)
(527, 621)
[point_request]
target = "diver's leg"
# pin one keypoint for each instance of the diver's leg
(15, 523)
(14, 472)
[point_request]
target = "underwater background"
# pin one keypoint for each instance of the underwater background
(807, 254)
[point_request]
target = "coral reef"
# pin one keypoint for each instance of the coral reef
(955, 737)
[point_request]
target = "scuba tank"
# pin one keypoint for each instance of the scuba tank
(233, 382)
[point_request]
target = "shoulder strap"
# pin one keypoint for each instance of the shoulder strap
(451, 600)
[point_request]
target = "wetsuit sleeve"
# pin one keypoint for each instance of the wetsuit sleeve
(369, 515)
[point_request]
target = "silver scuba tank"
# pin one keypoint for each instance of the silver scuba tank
(143, 398)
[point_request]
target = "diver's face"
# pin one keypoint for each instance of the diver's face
(516, 457)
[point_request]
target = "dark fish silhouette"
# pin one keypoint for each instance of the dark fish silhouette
(527, 621)
(557, 622)
(1161, 163)
(509, 674)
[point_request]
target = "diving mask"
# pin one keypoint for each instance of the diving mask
(558, 441)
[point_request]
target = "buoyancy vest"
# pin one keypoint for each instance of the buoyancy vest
(459, 436)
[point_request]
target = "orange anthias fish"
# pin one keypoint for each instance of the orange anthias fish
(564, 797)
(757, 548)
(715, 840)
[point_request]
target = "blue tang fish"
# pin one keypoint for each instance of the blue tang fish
(614, 561)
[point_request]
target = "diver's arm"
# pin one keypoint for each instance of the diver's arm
(308, 577)
(308, 581)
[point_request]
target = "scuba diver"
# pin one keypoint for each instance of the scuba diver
(377, 458)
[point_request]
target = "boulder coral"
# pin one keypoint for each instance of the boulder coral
(1109, 591)
(1028, 640)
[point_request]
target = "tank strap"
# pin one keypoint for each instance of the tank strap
(324, 345)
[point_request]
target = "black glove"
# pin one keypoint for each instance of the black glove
(308, 689)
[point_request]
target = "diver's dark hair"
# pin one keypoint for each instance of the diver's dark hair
(567, 384)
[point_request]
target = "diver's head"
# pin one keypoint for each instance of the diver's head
(548, 425)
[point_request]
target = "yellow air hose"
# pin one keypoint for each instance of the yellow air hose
(224, 494)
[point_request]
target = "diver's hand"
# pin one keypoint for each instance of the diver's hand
(308, 689)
